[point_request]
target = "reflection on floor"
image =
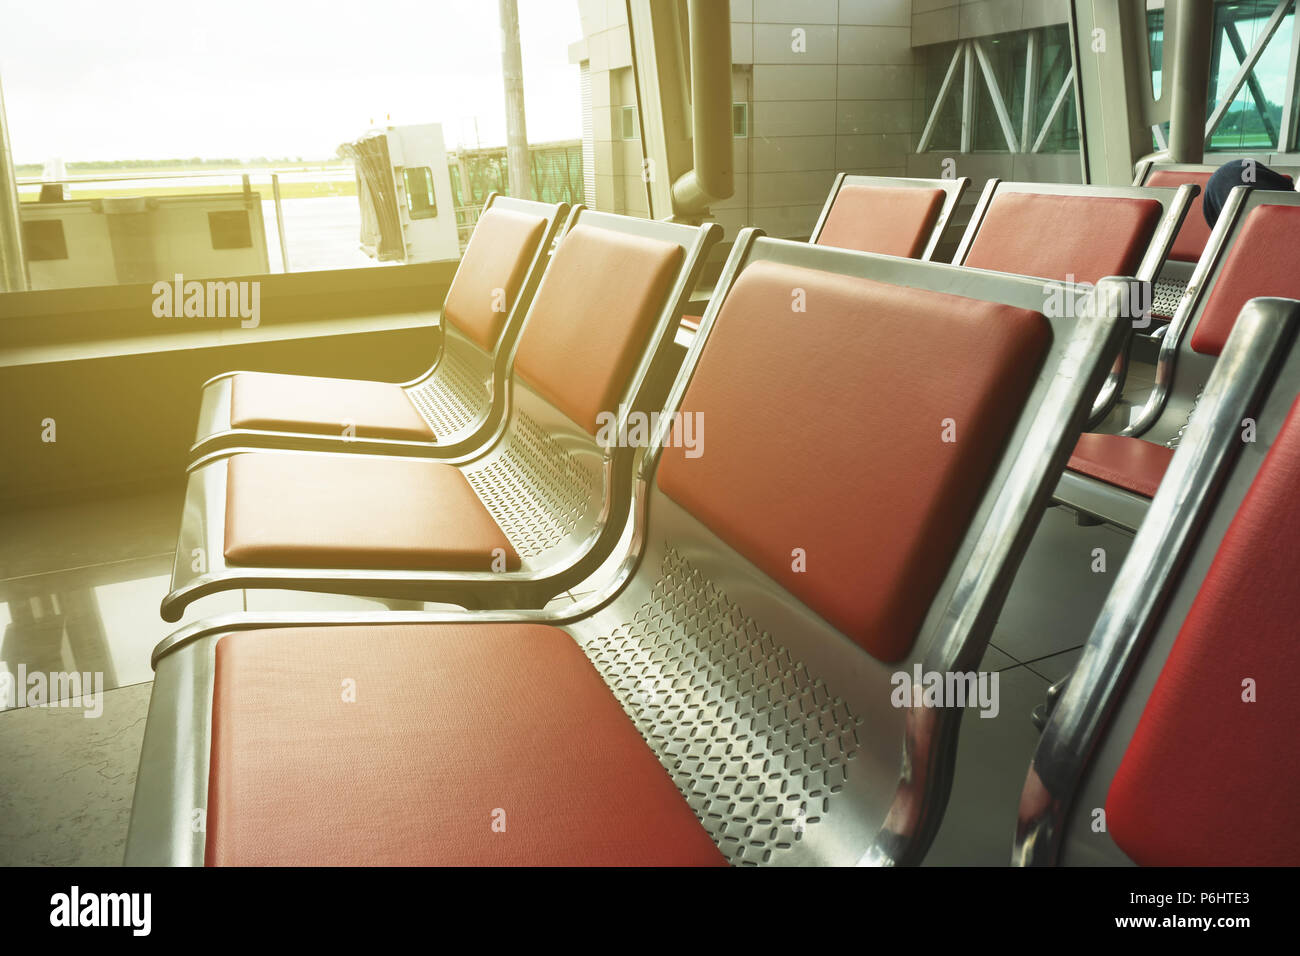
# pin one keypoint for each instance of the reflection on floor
(94, 619)
(79, 592)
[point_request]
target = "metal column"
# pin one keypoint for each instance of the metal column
(13, 264)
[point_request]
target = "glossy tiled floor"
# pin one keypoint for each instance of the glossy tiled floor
(76, 583)
(79, 592)
(80, 587)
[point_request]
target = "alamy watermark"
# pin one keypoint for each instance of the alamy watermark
(1071, 299)
(75, 908)
(958, 689)
(213, 299)
(55, 689)
(639, 427)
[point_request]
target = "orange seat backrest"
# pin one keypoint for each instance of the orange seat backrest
(592, 318)
(1055, 237)
(822, 434)
(891, 221)
(1261, 262)
(491, 273)
(1210, 778)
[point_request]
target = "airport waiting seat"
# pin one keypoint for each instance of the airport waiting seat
(1250, 254)
(452, 408)
(1192, 236)
(890, 216)
(1072, 233)
(1077, 234)
(728, 692)
(1173, 742)
(531, 513)
(887, 215)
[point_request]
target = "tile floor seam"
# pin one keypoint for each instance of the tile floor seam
(87, 567)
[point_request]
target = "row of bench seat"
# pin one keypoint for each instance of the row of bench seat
(756, 686)
(724, 693)
(452, 408)
(536, 498)
(1194, 234)
(525, 515)
(1113, 476)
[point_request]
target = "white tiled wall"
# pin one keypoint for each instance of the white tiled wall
(849, 101)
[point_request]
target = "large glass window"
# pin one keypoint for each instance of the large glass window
(1253, 120)
(946, 131)
(1156, 47)
(1006, 59)
(1037, 110)
(152, 138)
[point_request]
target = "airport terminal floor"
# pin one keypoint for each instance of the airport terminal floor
(687, 434)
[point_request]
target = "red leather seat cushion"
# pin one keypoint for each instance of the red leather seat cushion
(831, 442)
(492, 272)
(891, 221)
(1052, 237)
(355, 511)
(592, 318)
(1130, 463)
(450, 723)
(267, 401)
(1261, 262)
(1195, 232)
(1209, 779)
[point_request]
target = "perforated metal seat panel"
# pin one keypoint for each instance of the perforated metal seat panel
(535, 489)
(756, 743)
(1166, 293)
(454, 396)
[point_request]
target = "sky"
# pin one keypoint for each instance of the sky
(91, 80)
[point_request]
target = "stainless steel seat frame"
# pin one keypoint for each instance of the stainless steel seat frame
(1258, 378)
(560, 497)
(1174, 204)
(1181, 372)
(778, 730)
(461, 396)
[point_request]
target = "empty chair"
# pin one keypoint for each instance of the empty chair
(531, 514)
(1251, 253)
(883, 214)
(1074, 233)
(1077, 234)
(730, 690)
(1173, 742)
(450, 409)
(892, 217)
